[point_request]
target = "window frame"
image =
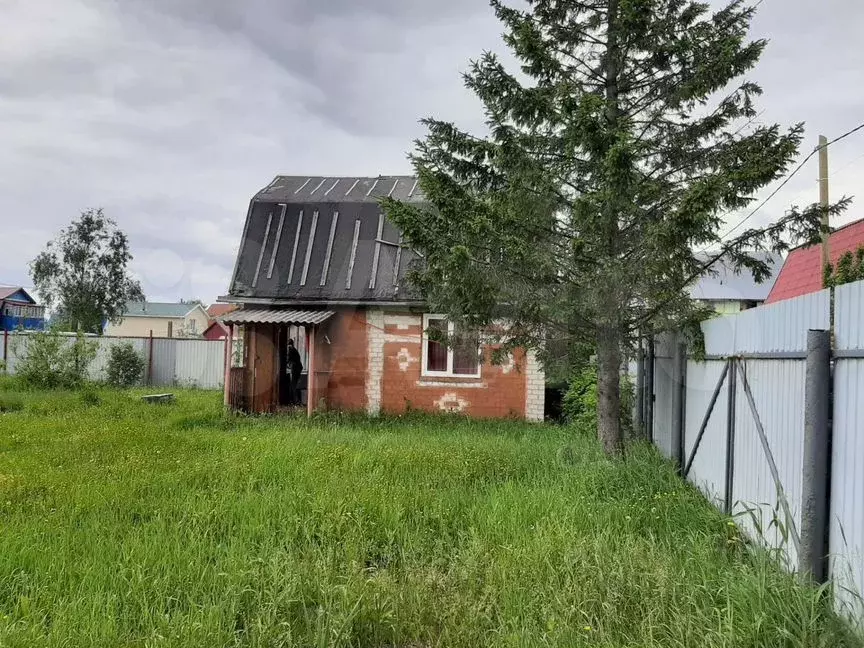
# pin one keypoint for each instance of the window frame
(451, 329)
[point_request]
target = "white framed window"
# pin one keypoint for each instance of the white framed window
(460, 361)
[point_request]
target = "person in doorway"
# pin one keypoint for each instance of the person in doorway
(295, 368)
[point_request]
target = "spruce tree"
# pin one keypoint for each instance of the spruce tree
(612, 157)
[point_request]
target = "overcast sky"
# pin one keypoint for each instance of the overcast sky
(171, 114)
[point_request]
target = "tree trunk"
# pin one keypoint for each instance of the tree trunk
(609, 391)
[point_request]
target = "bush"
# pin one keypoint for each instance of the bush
(54, 361)
(125, 365)
(11, 403)
(580, 402)
(90, 397)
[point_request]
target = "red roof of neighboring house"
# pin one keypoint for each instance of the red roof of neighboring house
(802, 272)
(218, 310)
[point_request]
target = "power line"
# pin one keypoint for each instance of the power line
(792, 175)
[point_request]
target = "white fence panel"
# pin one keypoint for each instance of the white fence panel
(708, 469)
(778, 392)
(664, 385)
(773, 328)
(163, 362)
(847, 486)
(16, 351)
(847, 477)
(200, 363)
(849, 316)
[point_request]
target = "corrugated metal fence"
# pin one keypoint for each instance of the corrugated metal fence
(170, 362)
(754, 374)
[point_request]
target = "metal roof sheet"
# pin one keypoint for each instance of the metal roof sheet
(157, 309)
(802, 272)
(324, 240)
(723, 284)
(274, 316)
(334, 189)
(9, 291)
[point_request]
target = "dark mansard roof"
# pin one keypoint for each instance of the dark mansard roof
(314, 240)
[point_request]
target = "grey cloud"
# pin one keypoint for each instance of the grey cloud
(172, 113)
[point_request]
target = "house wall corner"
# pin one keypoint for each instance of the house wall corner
(535, 388)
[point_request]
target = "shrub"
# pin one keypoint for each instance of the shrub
(54, 361)
(90, 398)
(11, 403)
(125, 365)
(580, 402)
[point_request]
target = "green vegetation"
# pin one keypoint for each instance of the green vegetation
(849, 268)
(125, 365)
(126, 524)
(55, 361)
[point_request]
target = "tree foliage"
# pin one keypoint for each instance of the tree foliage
(125, 365)
(55, 361)
(849, 268)
(614, 152)
(83, 273)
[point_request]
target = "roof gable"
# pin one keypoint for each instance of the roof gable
(16, 293)
(802, 272)
(302, 244)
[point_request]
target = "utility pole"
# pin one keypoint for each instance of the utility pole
(823, 198)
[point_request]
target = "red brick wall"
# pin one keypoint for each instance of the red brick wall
(345, 358)
(498, 393)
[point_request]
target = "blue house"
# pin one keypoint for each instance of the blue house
(18, 310)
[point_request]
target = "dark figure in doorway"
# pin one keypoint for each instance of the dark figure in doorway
(295, 368)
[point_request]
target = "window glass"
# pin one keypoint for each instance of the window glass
(436, 353)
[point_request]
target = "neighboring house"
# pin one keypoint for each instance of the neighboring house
(728, 292)
(802, 273)
(215, 311)
(18, 310)
(216, 331)
(319, 263)
(162, 320)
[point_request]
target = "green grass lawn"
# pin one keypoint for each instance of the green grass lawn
(125, 524)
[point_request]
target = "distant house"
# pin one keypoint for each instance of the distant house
(727, 292)
(215, 311)
(802, 273)
(18, 310)
(163, 319)
(320, 263)
(216, 331)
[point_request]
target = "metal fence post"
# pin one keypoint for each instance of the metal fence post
(730, 438)
(817, 438)
(677, 437)
(649, 390)
(639, 423)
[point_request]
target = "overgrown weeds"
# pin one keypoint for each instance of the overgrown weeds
(125, 524)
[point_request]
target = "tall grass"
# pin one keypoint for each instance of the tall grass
(126, 524)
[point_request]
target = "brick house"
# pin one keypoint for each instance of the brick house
(319, 263)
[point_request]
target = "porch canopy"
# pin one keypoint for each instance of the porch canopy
(274, 316)
(257, 386)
